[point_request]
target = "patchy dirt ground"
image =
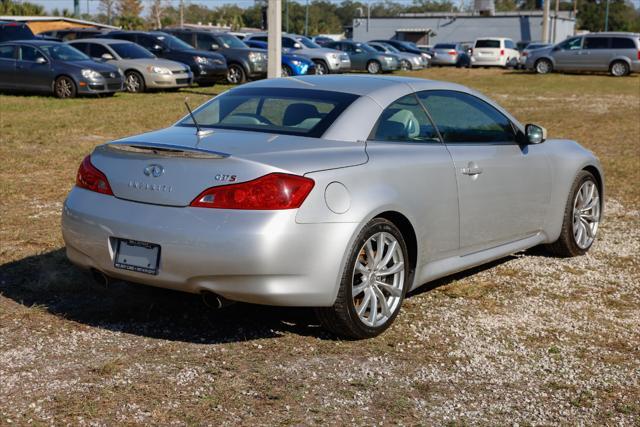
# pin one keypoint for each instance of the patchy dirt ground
(529, 340)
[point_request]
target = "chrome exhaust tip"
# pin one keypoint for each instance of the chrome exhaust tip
(214, 300)
(100, 278)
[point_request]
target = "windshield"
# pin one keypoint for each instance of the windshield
(131, 51)
(173, 42)
(63, 52)
(304, 112)
(366, 47)
(391, 48)
(308, 43)
(230, 41)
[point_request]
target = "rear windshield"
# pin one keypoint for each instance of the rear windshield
(304, 112)
(445, 46)
(488, 43)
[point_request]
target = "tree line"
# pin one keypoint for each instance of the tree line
(324, 17)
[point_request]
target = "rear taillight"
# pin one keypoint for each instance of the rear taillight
(525, 53)
(90, 178)
(275, 191)
(452, 52)
(501, 52)
(639, 55)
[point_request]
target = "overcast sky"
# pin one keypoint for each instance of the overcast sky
(92, 5)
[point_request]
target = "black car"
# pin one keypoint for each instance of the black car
(403, 46)
(207, 67)
(69, 34)
(243, 62)
(11, 30)
(54, 67)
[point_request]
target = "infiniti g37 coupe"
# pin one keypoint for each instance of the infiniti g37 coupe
(341, 193)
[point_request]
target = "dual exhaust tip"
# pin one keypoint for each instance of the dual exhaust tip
(209, 299)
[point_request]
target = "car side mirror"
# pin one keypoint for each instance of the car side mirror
(214, 46)
(297, 46)
(157, 48)
(41, 60)
(535, 134)
(107, 56)
(358, 50)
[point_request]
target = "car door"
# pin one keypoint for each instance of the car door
(357, 55)
(34, 69)
(567, 53)
(8, 72)
(503, 187)
(407, 157)
(205, 41)
(596, 54)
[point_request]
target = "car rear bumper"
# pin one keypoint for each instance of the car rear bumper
(261, 257)
(444, 60)
(159, 81)
(489, 61)
(635, 66)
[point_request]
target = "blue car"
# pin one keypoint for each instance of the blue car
(292, 65)
(54, 67)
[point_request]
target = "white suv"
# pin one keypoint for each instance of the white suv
(494, 52)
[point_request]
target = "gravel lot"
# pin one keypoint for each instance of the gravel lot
(527, 340)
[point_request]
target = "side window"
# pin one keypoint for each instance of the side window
(509, 44)
(147, 42)
(622, 43)
(571, 44)
(82, 47)
(406, 121)
(6, 52)
(262, 39)
(28, 53)
(464, 118)
(287, 42)
(97, 50)
(596, 43)
(128, 37)
(203, 41)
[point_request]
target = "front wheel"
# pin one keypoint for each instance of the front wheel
(405, 65)
(64, 87)
(134, 82)
(581, 217)
(321, 67)
(286, 71)
(373, 67)
(236, 74)
(373, 285)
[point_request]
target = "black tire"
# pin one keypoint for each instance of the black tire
(286, 71)
(543, 66)
(236, 74)
(341, 318)
(374, 67)
(405, 65)
(566, 245)
(134, 82)
(64, 87)
(619, 69)
(321, 67)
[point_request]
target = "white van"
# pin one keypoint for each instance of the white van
(494, 52)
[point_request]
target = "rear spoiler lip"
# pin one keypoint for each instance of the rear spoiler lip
(166, 150)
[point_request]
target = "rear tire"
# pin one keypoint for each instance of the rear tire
(581, 218)
(619, 69)
(64, 87)
(371, 281)
(543, 66)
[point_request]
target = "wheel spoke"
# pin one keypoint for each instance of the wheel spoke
(393, 291)
(383, 302)
(357, 290)
(393, 270)
(365, 302)
(390, 250)
(373, 309)
(379, 249)
(362, 268)
(370, 254)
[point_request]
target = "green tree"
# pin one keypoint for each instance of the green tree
(623, 16)
(9, 7)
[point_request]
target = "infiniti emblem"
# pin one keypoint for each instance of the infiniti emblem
(154, 170)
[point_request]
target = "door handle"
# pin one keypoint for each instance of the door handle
(472, 169)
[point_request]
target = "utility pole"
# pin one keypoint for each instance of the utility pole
(181, 13)
(274, 38)
(606, 17)
(306, 20)
(575, 15)
(76, 8)
(555, 21)
(545, 21)
(286, 13)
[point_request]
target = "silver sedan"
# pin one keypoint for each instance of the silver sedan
(341, 193)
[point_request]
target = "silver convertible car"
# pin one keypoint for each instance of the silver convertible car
(341, 193)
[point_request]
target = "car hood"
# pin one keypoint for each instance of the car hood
(93, 65)
(318, 51)
(143, 63)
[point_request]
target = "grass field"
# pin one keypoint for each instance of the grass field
(529, 339)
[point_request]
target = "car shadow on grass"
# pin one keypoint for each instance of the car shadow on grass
(52, 283)
(49, 281)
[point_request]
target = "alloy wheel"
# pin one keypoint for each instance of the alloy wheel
(586, 214)
(619, 69)
(543, 66)
(64, 88)
(234, 75)
(378, 279)
(404, 65)
(321, 68)
(373, 67)
(133, 83)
